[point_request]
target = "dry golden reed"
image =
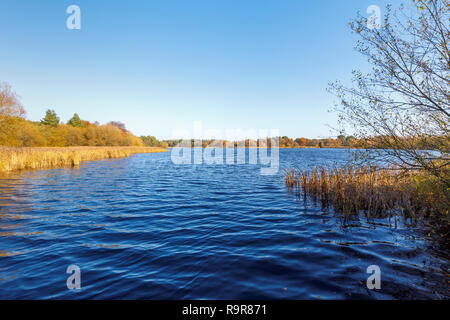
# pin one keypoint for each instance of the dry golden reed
(22, 158)
(374, 191)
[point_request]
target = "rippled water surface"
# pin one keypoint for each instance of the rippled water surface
(142, 227)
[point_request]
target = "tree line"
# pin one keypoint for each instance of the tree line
(283, 142)
(341, 141)
(16, 131)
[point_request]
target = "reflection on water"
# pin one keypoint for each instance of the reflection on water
(142, 227)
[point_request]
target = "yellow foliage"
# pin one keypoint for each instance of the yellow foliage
(17, 132)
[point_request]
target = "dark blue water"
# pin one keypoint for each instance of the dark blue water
(144, 228)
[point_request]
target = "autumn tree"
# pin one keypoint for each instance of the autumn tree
(11, 114)
(301, 142)
(75, 121)
(150, 141)
(404, 100)
(118, 125)
(50, 119)
(10, 105)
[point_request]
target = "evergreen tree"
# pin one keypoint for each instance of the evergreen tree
(75, 121)
(50, 119)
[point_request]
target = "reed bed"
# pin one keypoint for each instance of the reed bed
(12, 159)
(374, 191)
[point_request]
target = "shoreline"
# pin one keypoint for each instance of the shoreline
(26, 158)
(266, 147)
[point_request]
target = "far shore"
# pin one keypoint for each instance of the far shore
(252, 147)
(24, 158)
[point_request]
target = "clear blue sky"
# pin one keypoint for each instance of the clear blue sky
(160, 65)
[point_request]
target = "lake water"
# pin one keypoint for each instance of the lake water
(144, 228)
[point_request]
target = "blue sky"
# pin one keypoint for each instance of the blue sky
(161, 65)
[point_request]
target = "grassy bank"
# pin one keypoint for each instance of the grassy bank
(375, 192)
(12, 159)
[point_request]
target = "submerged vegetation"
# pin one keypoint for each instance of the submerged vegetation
(376, 192)
(12, 159)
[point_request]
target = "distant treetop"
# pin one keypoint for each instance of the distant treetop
(50, 119)
(75, 121)
(119, 125)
